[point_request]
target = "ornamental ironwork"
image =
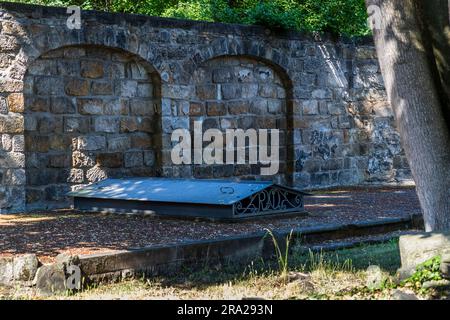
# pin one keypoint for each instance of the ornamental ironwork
(268, 201)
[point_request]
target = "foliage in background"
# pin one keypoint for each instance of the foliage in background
(347, 17)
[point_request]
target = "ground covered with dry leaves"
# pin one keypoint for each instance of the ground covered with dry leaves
(49, 233)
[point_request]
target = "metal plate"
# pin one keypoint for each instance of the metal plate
(216, 192)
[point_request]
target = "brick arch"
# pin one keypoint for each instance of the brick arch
(244, 91)
(90, 112)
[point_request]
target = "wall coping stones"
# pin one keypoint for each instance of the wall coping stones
(201, 26)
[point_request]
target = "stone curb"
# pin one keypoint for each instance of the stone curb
(166, 259)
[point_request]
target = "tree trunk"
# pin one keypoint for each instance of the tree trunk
(413, 50)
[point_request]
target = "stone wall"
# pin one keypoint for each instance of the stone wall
(89, 114)
(80, 105)
(240, 93)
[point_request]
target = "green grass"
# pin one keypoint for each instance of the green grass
(385, 255)
(328, 275)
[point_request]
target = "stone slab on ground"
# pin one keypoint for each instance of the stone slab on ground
(19, 268)
(418, 248)
(445, 265)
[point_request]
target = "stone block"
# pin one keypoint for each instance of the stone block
(58, 192)
(119, 143)
(11, 85)
(245, 75)
(9, 43)
(145, 90)
(90, 106)
(127, 88)
(260, 106)
(345, 122)
(228, 123)
(206, 92)
(134, 159)
(221, 75)
(141, 107)
(77, 87)
(92, 69)
(246, 122)
(266, 123)
(320, 178)
(418, 248)
(215, 108)
(321, 94)
(30, 123)
(15, 177)
(68, 68)
(117, 107)
(18, 143)
(129, 124)
(141, 141)
(231, 91)
(34, 195)
(6, 142)
(59, 142)
(274, 106)
(16, 102)
(110, 160)
(146, 124)
(250, 91)
(37, 104)
(60, 105)
(74, 52)
(83, 159)
(76, 176)
(58, 160)
(267, 91)
(103, 88)
(3, 106)
(48, 86)
(310, 107)
(51, 279)
(96, 174)
(91, 143)
(117, 71)
(238, 107)
(11, 124)
(445, 265)
(37, 143)
(76, 124)
(196, 109)
(18, 268)
(107, 124)
(43, 67)
(50, 124)
(137, 71)
(149, 158)
(336, 108)
(25, 267)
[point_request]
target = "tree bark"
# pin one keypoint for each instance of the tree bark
(413, 51)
